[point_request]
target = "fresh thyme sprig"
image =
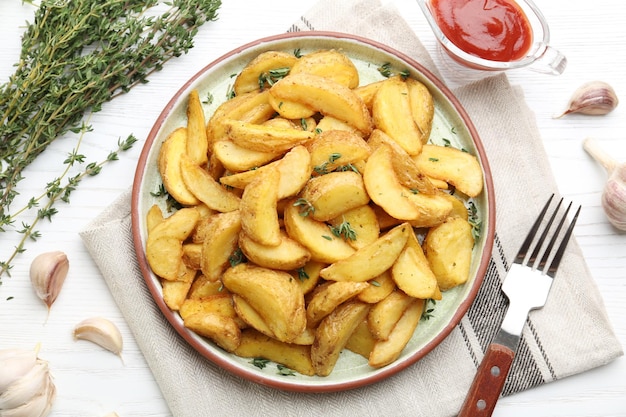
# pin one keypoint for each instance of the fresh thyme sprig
(77, 55)
(59, 188)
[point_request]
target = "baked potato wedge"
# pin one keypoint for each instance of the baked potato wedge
(287, 255)
(172, 150)
(391, 112)
(257, 345)
(372, 260)
(386, 351)
(274, 295)
(205, 188)
(452, 165)
(333, 333)
(223, 231)
(448, 248)
(265, 138)
(197, 143)
(328, 63)
(328, 296)
(252, 75)
(314, 235)
(223, 330)
(326, 97)
(334, 193)
(259, 216)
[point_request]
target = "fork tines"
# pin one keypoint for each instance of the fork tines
(540, 242)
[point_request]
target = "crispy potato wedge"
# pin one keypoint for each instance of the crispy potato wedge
(173, 149)
(386, 351)
(287, 255)
(220, 304)
(380, 287)
(363, 221)
(361, 341)
(412, 274)
(328, 297)
(294, 168)
(384, 188)
(432, 209)
(192, 255)
(371, 260)
(422, 107)
(452, 165)
(334, 193)
(384, 315)
(237, 158)
(275, 295)
(223, 330)
(223, 231)
(315, 236)
(252, 107)
(308, 276)
(391, 112)
(164, 246)
(368, 91)
(332, 149)
(404, 166)
(206, 188)
(259, 68)
(333, 333)
(328, 63)
(448, 248)
(257, 345)
(327, 123)
(154, 217)
(259, 217)
(202, 287)
(290, 109)
(197, 143)
(458, 206)
(325, 96)
(265, 138)
(175, 292)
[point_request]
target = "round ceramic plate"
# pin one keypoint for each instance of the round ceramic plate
(450, 123)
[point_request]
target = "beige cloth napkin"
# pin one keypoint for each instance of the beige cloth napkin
(570, 335)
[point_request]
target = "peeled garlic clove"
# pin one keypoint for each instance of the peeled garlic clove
(30, 385)
(101, 332)
(592, 98)
(15, 363)
(47, 274)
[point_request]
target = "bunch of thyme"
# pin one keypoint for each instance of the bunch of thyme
(77, 55)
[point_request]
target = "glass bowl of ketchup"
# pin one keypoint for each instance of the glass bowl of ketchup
(494, 35)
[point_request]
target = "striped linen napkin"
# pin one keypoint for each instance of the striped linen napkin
(570, 335)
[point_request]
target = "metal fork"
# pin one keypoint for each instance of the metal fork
(526, 285)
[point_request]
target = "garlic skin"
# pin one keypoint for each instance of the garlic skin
(592, 98)
(31, 391)
(47, 274)
(101, 332)
(614, 193)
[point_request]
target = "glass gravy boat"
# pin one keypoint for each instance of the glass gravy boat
(540, 57)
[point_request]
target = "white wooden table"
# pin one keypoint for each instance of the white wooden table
(92, 382)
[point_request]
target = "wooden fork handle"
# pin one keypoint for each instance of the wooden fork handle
(488, 382)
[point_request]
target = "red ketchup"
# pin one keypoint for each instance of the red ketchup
(497, 30)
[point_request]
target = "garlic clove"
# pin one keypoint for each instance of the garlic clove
(47, 274)
(38, 406)
(25, 388)
(101, 332)
(592, 98)
(614, 193)
(614, 198)
(15, 363)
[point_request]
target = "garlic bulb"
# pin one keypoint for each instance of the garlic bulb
(101, 332)
(593, 98)
(26, 386)
(47, 274)
(614, 193)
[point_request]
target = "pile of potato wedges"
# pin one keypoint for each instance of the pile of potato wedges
(315, 215)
